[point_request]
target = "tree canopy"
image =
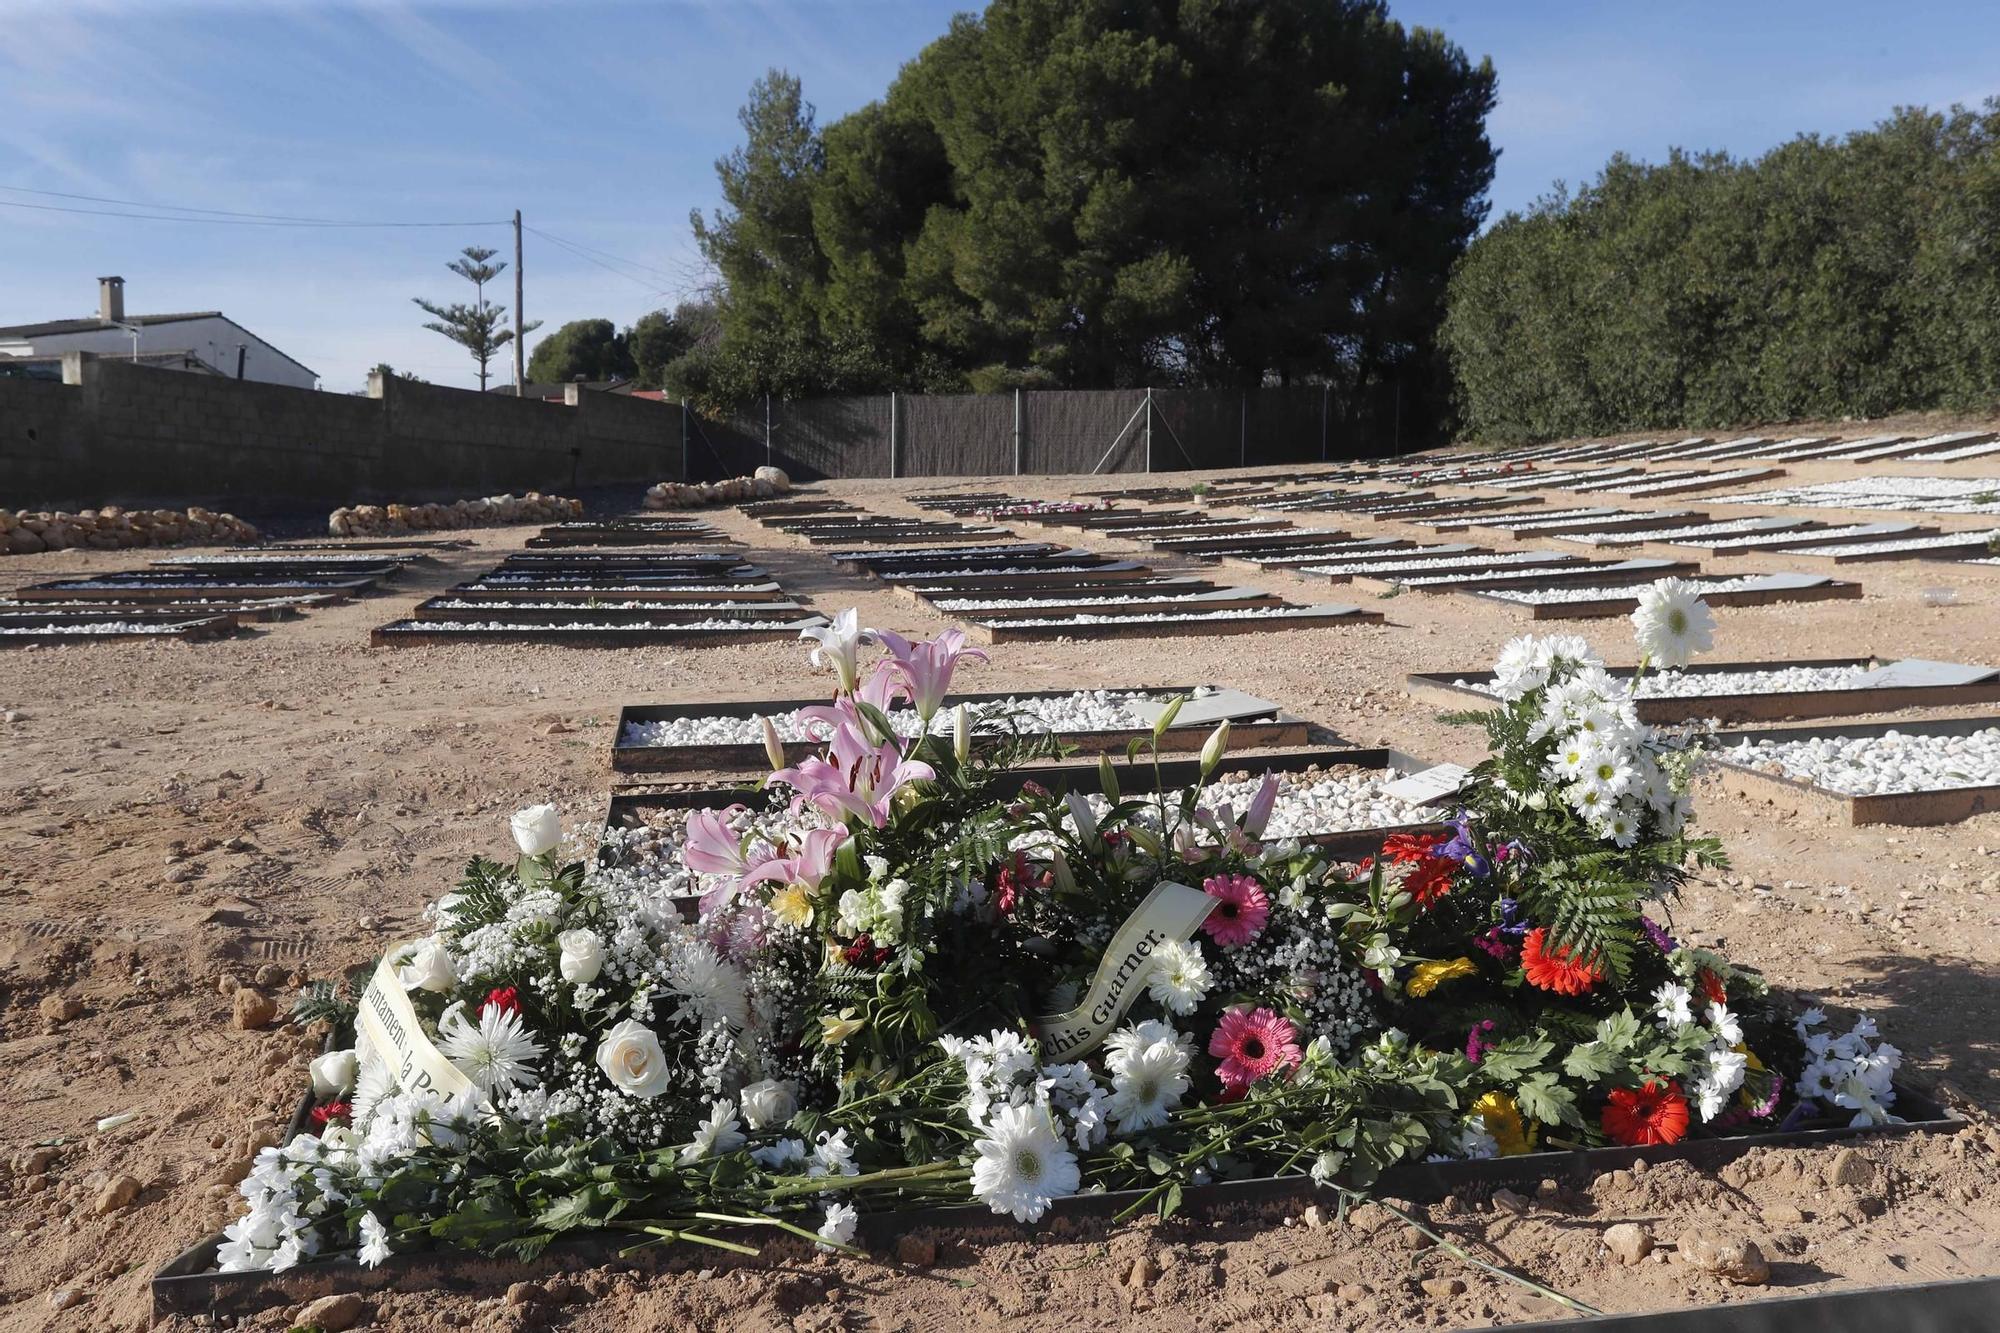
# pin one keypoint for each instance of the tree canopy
(590, 349)
(1083, 193)
(1827, 278)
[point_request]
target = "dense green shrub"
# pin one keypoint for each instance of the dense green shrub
(1826, 278)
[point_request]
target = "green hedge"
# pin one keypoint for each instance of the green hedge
(1827, 278)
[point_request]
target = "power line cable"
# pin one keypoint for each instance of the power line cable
(661, 274)
(221, 218)
(592, 259)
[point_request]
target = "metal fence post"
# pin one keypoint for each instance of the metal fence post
(1149, 430)
(684, 439)
(767, 429)
(1243, 433)
(892, 435)
(1017, 432)
(1325, 398)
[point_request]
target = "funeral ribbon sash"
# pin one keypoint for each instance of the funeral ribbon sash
(390, 1031)
(1170, 912)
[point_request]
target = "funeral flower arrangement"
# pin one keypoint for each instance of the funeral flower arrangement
(900, 974)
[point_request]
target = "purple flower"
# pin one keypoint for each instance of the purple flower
(1661, 940)
(1463, 847)
(1494, 943)
(1510, 918)
(1475, 1040)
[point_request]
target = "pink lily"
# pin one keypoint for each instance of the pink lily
(811, 865)
(880, 691)
(926, 667)
(1261, 805)
(840, 647)
(711, 847)
(858, 781)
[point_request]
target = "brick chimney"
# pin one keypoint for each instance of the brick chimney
(111, 299)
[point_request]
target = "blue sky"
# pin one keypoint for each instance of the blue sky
(602, 121)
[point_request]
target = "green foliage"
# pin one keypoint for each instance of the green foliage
(1102, 195)
(1826, 278)
(590, 349)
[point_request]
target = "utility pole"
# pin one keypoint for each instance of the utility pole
(520, 387)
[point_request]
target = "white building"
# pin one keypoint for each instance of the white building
(208, 337)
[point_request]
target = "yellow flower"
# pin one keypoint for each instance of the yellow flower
(1427, 977)
(834, 1031)
(792, 905)
(1503, 1120)
(1754, 1066)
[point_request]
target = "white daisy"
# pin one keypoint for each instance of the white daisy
(374, 1241)
(1148, 1083)
(722, 1132)
(714, 991)
(1723, 1023)
(1673, 623)
(496, 1054)
(1023, 1166)
(833, 1155)
(1621, 825)
(1674, 1004)
(1180, 979)
(838, 1228)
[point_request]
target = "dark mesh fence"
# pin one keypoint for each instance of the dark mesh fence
(1039, 431)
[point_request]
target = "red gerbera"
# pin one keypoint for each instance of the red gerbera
(1555, 969)
(1251, 1044)
(1429, 877)
(332, 1111)
(1712, 987)
(1654, 1113)
(504, 998)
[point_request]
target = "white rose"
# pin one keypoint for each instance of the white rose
(853, 912)
(630, 1057)
(582, 955)
(428, 967)
(769, 1104)
(334, 1073)
(537, 829)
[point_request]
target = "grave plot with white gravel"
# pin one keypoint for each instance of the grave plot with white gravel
(1598, 601)
(1943, 544)
(1766, 691)
(1508, 519)
(1115, 599)
(30, 627)
(634, 611)
(1437, 564)
(1698, 481)
(1925, 495)
(1605, 521)
(1812, 535)
(1907, 773)
(588, 631)
(1557, 572)
(729, 736)
(1557, 480)
(1253, 620)
(1687, 533)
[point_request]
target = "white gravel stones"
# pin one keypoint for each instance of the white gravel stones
(1539, 596)
(1924, 495)
(1943, 539)
(715, 608)
(1489, 561)
(1894, 761)
(1064, 714)
(1726, 528)
(1791, 537)
(972, 606)
(1543, 517)
(1601, 518)
(1779, 680)
(1261, 613)
(1707, 480)
(103, 627)
(1315, 802)
(619, 627)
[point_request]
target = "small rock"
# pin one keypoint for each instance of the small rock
(1869, 1205)
(1852, 1169)
(118, 1192)
(1443, 1288)
(228, 984)
(1729, 1258)
(251, 1010)
(556, 729)
(1783, 1215)
(60, 1007)
(271, 975)
(332, 1313)
(526, 1293)
(1315, 1216)
(1411, 1238)
(920, 1251)
(1354, 1292)
(1506, 1201)
(1144, 1272)
(65, 1298)
(1629, 1242)
(1369, 1217)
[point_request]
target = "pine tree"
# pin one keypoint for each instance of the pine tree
(480, 327)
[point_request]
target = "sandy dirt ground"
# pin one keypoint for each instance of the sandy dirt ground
(179, 819)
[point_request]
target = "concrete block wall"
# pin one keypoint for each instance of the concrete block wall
(129, 434)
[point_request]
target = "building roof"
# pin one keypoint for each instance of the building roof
(53, 327)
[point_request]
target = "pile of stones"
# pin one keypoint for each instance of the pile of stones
(766, 483)
(112, 528)
(493, 511)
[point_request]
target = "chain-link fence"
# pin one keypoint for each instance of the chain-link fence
(1035, 431)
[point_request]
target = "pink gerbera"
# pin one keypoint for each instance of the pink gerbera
(1251, 1044)
(1242, 907)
